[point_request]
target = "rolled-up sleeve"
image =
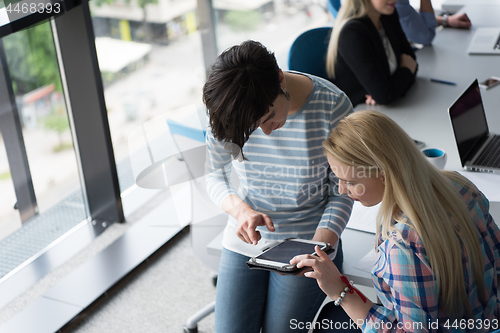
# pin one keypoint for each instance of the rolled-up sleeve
(418, 27)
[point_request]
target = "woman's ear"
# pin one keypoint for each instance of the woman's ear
(282, 79)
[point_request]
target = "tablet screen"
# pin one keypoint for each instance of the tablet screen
(285, 251)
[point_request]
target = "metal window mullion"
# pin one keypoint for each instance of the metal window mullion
(10, 127)
(70, 114)
(207, 28)
(85, 96)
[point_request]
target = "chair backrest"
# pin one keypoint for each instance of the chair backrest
(333, 7)
(208, 220)
(189, 132)
(308, 52)
(190, 142)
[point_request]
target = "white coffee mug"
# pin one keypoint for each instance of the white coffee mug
(436, 157)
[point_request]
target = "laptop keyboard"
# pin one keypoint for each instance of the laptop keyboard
(490, 157)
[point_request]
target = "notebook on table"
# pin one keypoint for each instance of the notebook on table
(479, 149)
(485, 41)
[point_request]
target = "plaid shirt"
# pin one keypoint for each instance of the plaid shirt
(407, 286)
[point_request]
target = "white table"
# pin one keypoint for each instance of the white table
(457, 5)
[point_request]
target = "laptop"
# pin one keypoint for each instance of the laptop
(479, 149)
(485, 41)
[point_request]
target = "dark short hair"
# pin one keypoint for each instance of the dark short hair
(243, 83)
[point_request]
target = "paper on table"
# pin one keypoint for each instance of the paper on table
(366, 263)
(487, 183)
(363, 218)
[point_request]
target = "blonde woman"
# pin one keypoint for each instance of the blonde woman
(438, 246)
(369, 56)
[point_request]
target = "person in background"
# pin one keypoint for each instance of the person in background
(271, 124)
(438, 246)
(421, 27)
(369, 56)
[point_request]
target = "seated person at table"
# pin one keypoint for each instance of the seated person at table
(421, 27)
(369, 56)
(438, 246)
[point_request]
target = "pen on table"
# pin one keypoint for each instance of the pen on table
(444, 82)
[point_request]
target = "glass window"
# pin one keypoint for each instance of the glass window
(9, 218)
(151, 60)
(152, 66)
(275, 24)
(49, 148)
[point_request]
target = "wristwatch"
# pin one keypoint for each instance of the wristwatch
(444, 22)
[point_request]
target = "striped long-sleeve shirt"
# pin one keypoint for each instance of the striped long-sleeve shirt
(407, 286)
(287, 175)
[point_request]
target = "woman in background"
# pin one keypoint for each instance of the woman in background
(438, 246)
(369, 56)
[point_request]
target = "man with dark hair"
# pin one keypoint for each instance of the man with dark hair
(270, 126)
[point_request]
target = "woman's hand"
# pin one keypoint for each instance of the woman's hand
(408, 62)
(370, 100)
(324, 271)
(248, 221)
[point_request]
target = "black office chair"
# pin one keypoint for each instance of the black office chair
(308, 52)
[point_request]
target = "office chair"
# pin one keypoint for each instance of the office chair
(333, 7)
(308, 52)
(208, 220)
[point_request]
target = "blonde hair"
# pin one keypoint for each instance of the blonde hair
(350, 9)
(423, 193)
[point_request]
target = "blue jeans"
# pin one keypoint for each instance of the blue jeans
(248, 300)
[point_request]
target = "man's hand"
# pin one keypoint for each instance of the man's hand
(460, 20)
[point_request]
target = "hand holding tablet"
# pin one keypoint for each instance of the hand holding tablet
(277, 258)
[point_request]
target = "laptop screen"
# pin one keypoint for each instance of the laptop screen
(468, 120)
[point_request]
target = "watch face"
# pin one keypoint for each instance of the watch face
(445, 20)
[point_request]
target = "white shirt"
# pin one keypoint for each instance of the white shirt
(391, 56)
